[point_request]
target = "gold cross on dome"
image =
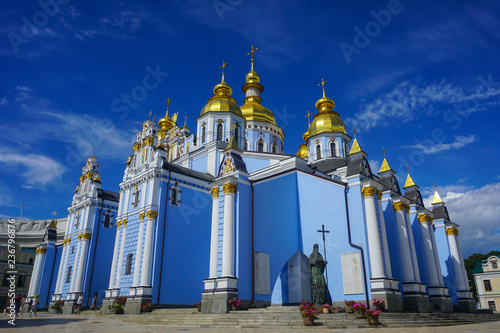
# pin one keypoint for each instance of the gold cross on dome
(308, 115)
(323, 84)
(224, 64)
(251, 53)
(168, 103)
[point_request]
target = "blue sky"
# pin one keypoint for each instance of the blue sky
(418, 78)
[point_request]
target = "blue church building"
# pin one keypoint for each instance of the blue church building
(224, 213)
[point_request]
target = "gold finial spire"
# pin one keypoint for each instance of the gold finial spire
(252, 52)
(154, 118)
(354, 131)
(385, 165)
(224, 64)
(437, 198)
(150, 113)
(308, 115)
(168, 104)
(185, 120)
(383, 151)
(356, 148)
(409, 182)
(323, 84)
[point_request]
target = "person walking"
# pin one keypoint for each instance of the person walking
(23, 301)
(34, 302)
(17, 301)
(94, 302)
(79, 303)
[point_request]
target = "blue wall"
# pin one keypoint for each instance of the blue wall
(445, 260)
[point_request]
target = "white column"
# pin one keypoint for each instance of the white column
(76, 268)
(122, 253)
(404, 242)
(147, 261)
(115, 256)
(416, 270)
(214, 232)
(228, 232)
(436, 254)
(61, 268)
(430, 259)
(40, 257)
(455, 257)
(34, 274)
(374, 245)
(462, 264)
(85, 239)
(388, 267)
(137, 267)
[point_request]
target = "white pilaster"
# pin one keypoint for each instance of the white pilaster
(374, 245)
(137, 267)
(148, 249)
(61, 269)
(115, 256)
(34, 276)
(228, 232)
(76, 267)
(214, 232)
(85, 239)
(120, 256)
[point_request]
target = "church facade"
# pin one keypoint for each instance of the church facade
(224, 213)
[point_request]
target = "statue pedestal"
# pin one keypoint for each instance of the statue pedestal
(215, 298)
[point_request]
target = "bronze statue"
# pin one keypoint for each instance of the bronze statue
(316, 268)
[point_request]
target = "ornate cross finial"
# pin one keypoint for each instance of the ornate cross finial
(308, 115)
(251, 53)
(150, 113)
(154, 118)
(323, 84)
(383, 150)
(407, 168)
(185, 120)
(354, 131)
(168, 104)
(224, 64)
(435, 186)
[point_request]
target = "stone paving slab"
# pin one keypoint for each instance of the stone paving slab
(46, 322)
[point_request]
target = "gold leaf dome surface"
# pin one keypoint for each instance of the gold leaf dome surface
(326, 120)
(302, 153)
(253, 110)
(222, 101)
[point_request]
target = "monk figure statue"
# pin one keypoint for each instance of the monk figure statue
(316, 268)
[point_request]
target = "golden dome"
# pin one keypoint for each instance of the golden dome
(302, 153)
(252, 77)
(222, 101)
(306, 135)
(326, 120)
(166, 123)
(253, 110)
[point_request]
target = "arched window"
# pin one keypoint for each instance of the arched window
(246, 145)
(237, 134)
(68, 275)
(30, 261)
(128, 266)
(203, 133)
(173, 196)
(219, 131)
(318, 151)
(260, 146)
(333, 152)
(274, 148)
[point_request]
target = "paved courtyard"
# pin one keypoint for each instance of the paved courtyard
(46, 322)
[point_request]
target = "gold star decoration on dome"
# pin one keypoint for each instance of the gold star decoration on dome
(224, 64)
(323, 84)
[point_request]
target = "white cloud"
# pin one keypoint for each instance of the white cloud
(22, 93)
(477, 211)
(433, 148)
(407, 101)
(38, 170)
(374, 165)
(4, 101)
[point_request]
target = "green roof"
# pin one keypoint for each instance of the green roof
(479, 267)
